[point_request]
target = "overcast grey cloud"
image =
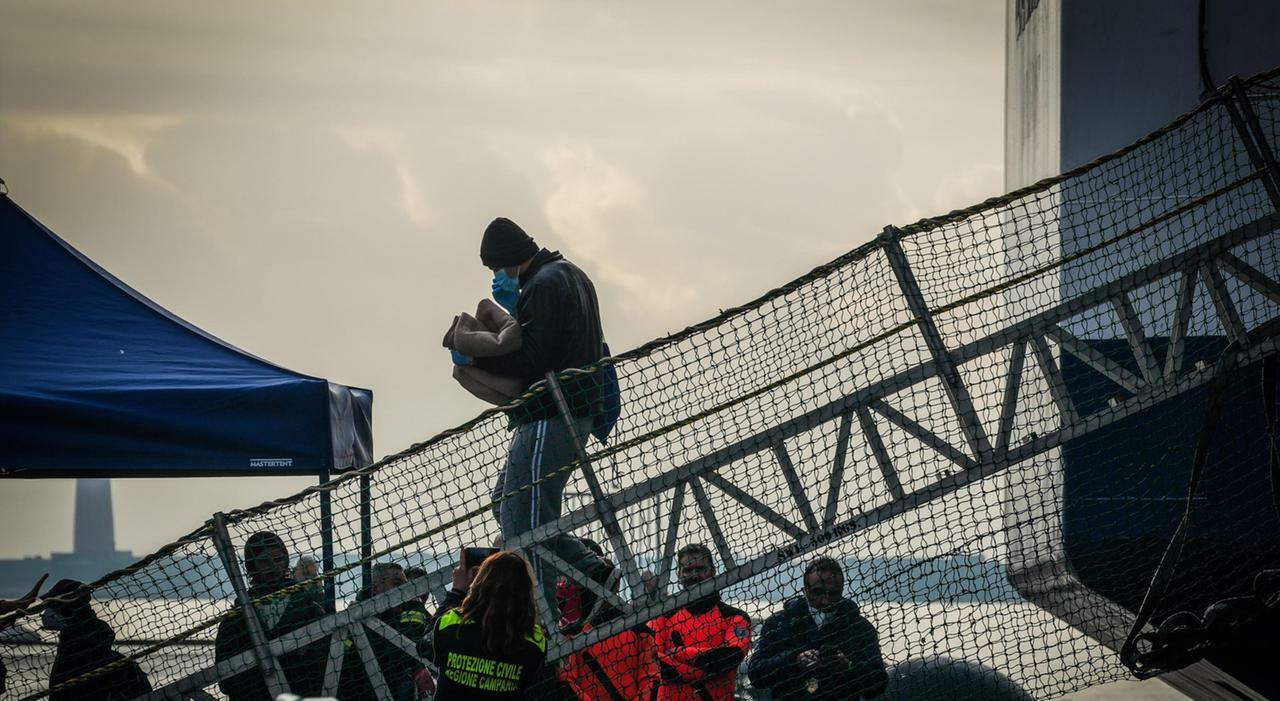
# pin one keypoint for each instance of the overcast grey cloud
(308, 181)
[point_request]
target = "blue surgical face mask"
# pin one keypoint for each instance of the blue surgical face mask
(506, 290)
(52, 620)
(503, 281)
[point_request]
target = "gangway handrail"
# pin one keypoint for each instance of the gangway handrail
(1024, 333)
(317, 630)
(972, 468)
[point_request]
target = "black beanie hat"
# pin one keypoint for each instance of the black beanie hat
(505, 244)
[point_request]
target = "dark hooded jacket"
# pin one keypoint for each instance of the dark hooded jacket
(84, 645)
(303, 668)
(559, 318)
(791, 631)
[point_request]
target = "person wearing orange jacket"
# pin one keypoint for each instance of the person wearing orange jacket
(700, 645)
(622, 667)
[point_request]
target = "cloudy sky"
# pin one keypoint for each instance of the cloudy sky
(309, 180)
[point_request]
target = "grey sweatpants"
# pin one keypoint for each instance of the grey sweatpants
(537, 450)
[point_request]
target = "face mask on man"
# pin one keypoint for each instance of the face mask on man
(506, 290)
(52, 620)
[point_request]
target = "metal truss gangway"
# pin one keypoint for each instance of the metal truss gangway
(1040, 341)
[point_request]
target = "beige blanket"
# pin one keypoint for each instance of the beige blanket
(491, 332)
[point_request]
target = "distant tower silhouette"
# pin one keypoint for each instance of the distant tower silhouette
(95, 533)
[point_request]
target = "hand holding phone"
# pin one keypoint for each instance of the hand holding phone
(469, 561)
(808, 659)
(474, 557)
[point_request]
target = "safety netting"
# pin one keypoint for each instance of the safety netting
(977, 457)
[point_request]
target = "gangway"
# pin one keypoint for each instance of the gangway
(947, 373)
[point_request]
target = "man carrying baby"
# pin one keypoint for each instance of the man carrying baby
(559, 316)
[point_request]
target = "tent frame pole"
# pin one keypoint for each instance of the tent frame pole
(326, 537)
(326, 544)
(366, 533)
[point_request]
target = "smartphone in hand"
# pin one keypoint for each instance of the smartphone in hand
(473, 557)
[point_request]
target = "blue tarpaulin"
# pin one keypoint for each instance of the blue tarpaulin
(98, 380)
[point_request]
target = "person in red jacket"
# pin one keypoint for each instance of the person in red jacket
(619, 668)
(701, 645)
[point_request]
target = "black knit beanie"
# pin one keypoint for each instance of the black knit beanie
(505, 245)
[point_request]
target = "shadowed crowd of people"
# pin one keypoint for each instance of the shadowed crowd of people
(486, 640)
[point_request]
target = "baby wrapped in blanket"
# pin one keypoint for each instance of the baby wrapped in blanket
(491, 332)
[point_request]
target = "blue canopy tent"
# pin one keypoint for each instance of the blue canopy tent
(98, 380)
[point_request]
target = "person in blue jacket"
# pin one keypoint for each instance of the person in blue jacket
(819, 646)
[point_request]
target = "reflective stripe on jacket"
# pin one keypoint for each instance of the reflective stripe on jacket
(470, 670)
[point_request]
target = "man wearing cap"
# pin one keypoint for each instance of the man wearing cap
(555, 304)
